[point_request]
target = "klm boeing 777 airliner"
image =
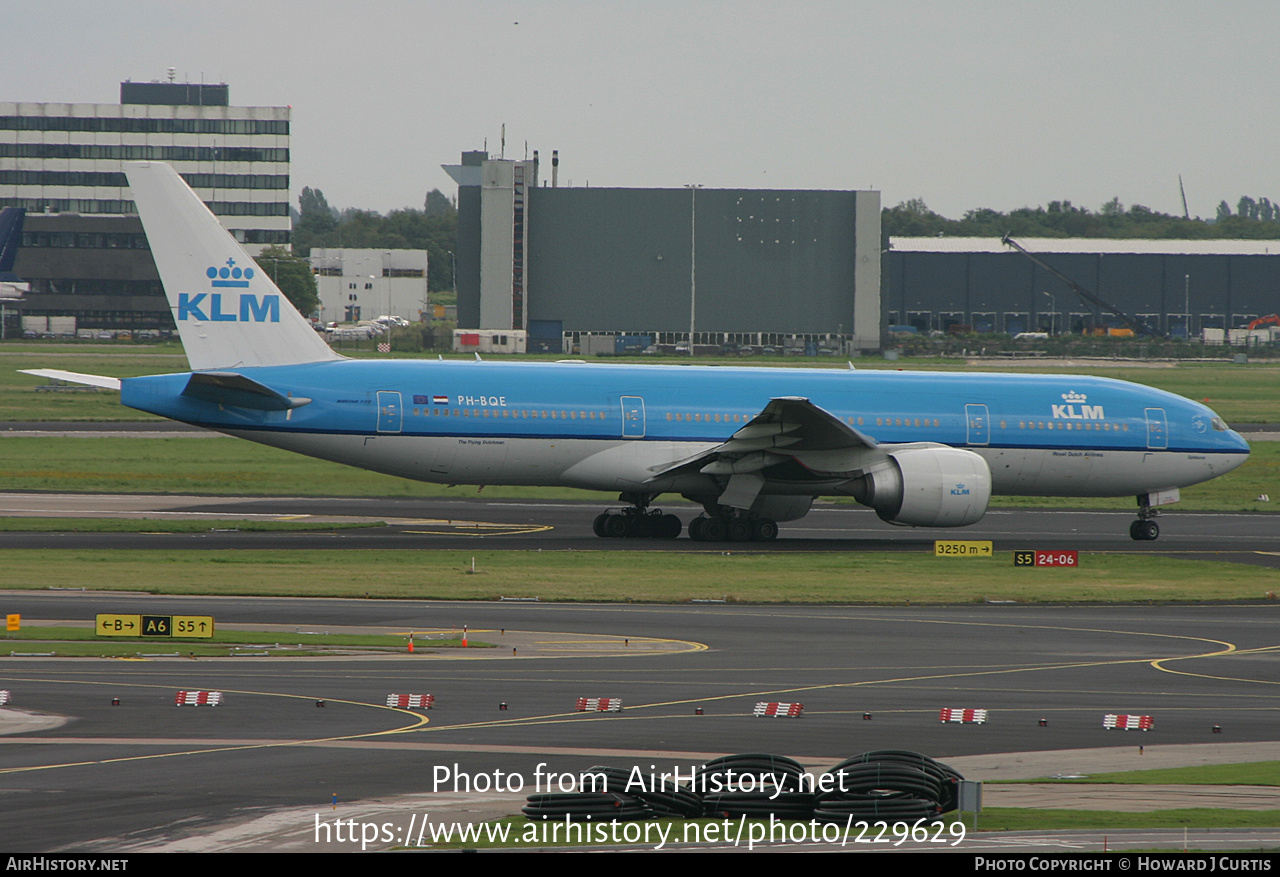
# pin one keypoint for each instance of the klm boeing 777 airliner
(753, 446)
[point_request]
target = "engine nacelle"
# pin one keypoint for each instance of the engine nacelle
(928, 487)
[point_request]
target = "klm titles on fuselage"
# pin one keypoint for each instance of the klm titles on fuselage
(1068, 409)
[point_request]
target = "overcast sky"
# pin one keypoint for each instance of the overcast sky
(983, 103)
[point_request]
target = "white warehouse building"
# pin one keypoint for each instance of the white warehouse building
(357, 285)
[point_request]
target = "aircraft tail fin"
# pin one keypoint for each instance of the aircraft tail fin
(228, 312)
(10, 239)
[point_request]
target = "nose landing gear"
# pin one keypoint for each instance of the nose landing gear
(1145, 529)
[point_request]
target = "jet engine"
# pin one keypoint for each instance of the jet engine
(927, 487)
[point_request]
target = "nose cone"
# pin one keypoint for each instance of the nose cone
(1233, 451)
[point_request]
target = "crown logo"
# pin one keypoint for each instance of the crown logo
(1073, 396)
(230, 274)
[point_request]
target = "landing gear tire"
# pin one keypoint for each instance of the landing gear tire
(764, 530)
(695, 529)
(636, 522)
(615, 526)
(669, 528)
(713, 530)
(721, 528)
(1144, 531)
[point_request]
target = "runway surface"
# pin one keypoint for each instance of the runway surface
(257, 771)
(148, 774)
(468, 523)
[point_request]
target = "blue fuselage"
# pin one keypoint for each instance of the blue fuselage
(1001, 416)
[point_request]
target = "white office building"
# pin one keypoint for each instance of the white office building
(356, 285)
(59, 158)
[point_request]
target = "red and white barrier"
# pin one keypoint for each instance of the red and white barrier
(965, 717)
(779, 710)
(411, 701)
(599, 705)
(1128, 723)
(198, 698)
(4, 697)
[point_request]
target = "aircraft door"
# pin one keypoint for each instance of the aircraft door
(390, 414)
(1157, 429)
(976, 424)
(633, 417)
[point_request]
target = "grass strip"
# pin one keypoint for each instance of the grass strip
(1260, 773)
(149, 525)
(872, 578)
(84, 642)
(215, 467)
(1030, 819)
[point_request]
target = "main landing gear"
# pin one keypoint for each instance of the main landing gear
(725, 526)
(636, 522)
(1145, 529)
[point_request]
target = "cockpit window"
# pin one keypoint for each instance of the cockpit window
(1220, 425)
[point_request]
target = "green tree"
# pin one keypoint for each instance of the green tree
(292, 276)
(437, 204)
(316, 217)
(912, 218)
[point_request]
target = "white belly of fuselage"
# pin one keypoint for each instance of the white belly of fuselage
(596, 464)
(592, 464)
(1084, 472)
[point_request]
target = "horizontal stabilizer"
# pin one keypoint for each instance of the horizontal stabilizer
(54, 374)
(237, 391)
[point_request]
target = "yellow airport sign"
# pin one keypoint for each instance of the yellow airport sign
(963, 548)
(156, 626)
(14, 623)
(193, 626)
(118, 625)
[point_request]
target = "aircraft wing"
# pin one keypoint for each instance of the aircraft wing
(791, 431)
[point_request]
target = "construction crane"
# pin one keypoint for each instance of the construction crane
(1137, 324)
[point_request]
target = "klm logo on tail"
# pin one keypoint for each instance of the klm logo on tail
(250, 308)
(229, 275)
(253, 308)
